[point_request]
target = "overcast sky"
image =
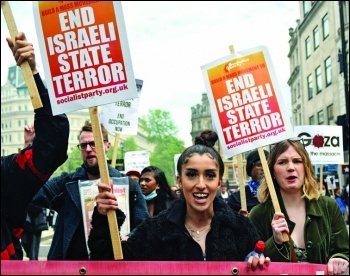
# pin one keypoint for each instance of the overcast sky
(170, 40)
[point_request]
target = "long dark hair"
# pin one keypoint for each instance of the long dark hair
(164, 193)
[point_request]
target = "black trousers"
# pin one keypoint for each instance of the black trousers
(31, 244)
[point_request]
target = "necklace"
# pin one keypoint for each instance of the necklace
(197, 234)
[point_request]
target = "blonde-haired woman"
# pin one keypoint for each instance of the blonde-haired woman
(315, 224)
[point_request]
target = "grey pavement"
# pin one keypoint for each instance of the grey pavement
(48, 234)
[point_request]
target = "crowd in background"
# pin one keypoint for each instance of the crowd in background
(197, 220)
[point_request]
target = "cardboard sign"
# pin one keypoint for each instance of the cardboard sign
(85, 53)
(323, 143)
(88, 192)
(122, 116)
(246, 103)
(136, 160)
(176, 159)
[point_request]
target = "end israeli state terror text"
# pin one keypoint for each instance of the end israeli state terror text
(247, 108)
(81, 49)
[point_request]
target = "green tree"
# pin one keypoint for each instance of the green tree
(158, 124)
(163, 157)
(74, 161)
(162, 132)
(129, 144)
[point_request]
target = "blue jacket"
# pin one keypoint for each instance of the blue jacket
(24, 173)
(62, 195)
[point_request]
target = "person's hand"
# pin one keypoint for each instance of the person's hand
(243, 212)
(29, 134)
(337, 266)
(279, 226)
(105, 199)
(257, 259)
(22, 51)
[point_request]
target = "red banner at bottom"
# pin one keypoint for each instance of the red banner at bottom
(154, 268)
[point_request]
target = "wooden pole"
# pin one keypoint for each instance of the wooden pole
(321, 178)
(102, 164)
(25, 67)
(244, 209)
(267, 176)
(272, 191)
(115, 150)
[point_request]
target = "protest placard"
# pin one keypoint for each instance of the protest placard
(122, 116)
(323, 143)
(88, 192)
(159, 268)
(245, 100)
(87, 63)
(136, 160)
(176, 159)
(85, 53)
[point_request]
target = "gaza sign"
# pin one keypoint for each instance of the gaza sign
(85, 53)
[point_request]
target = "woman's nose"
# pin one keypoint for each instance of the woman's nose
(290, 166)
(201, 183)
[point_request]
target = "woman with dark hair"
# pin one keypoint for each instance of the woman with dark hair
(155, 189)
(315, 225)
(199, 226)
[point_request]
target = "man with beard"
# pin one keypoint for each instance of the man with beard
(61, 194)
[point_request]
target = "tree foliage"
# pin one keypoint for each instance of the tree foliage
(163, 157)
(74, 161)
(128, 144)
(158, 124)
(162, 132)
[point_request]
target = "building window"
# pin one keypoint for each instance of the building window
(294, 96)
(306, 7)
(309, 87)
(308, 47)
(312, 120)
(325, 26)
(330, 114)
(298, 90)
(320, 117)
(318, 80)
(328, 71)
(316, 38)
(230, 173)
